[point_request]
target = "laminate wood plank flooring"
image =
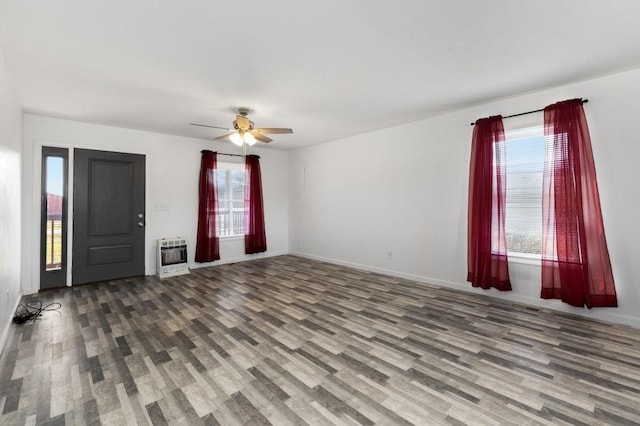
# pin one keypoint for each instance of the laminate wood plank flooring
(291, 341)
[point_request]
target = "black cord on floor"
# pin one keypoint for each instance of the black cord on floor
(33, 310)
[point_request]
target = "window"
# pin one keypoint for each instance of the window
(524, 157)
(53, 236)
(230, 183)
(54, 194)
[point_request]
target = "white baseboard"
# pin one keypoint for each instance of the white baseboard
(545, 304)
(5, 331)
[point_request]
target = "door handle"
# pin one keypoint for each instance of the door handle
(141, 224)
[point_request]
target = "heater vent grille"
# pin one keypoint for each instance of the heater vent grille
(172, 257)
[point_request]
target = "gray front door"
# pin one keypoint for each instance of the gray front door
(108, 215)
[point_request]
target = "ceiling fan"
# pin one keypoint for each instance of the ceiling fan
(243, 131)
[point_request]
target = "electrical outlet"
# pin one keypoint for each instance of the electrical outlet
(161, 206)
(390, 255)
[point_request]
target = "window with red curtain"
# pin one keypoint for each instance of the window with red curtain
(575, 259)
(255, 238)
(230, 187)
(487, 264)
(207, 244)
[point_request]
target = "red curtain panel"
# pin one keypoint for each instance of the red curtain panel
(255, 238)
(575, 259)
(487, 264)
(207, 244)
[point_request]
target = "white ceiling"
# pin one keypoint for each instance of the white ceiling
(328, 69)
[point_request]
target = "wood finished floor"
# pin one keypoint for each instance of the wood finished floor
(287, 340)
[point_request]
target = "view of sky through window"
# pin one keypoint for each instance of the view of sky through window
(54, 175)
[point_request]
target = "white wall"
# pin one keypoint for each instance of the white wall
(172, 169)
(404, 190)
(10, 210)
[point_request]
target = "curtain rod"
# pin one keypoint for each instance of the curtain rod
(584, 101)
(231, 155)
(238, 155)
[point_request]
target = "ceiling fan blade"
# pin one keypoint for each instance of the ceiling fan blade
(261, 138)
(272, 130)
(213, 127)
(227, 136)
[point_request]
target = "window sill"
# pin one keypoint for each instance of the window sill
(525, 258)
(231, 238)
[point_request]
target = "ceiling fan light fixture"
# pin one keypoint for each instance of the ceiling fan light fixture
(249, 139)
(237, 139)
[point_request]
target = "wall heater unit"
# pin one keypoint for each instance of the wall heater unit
(172, 257)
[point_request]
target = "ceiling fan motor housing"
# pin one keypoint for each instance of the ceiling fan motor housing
(243, 123)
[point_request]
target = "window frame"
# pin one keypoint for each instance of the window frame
(515, 133)
(228, 167)
(54, 277)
